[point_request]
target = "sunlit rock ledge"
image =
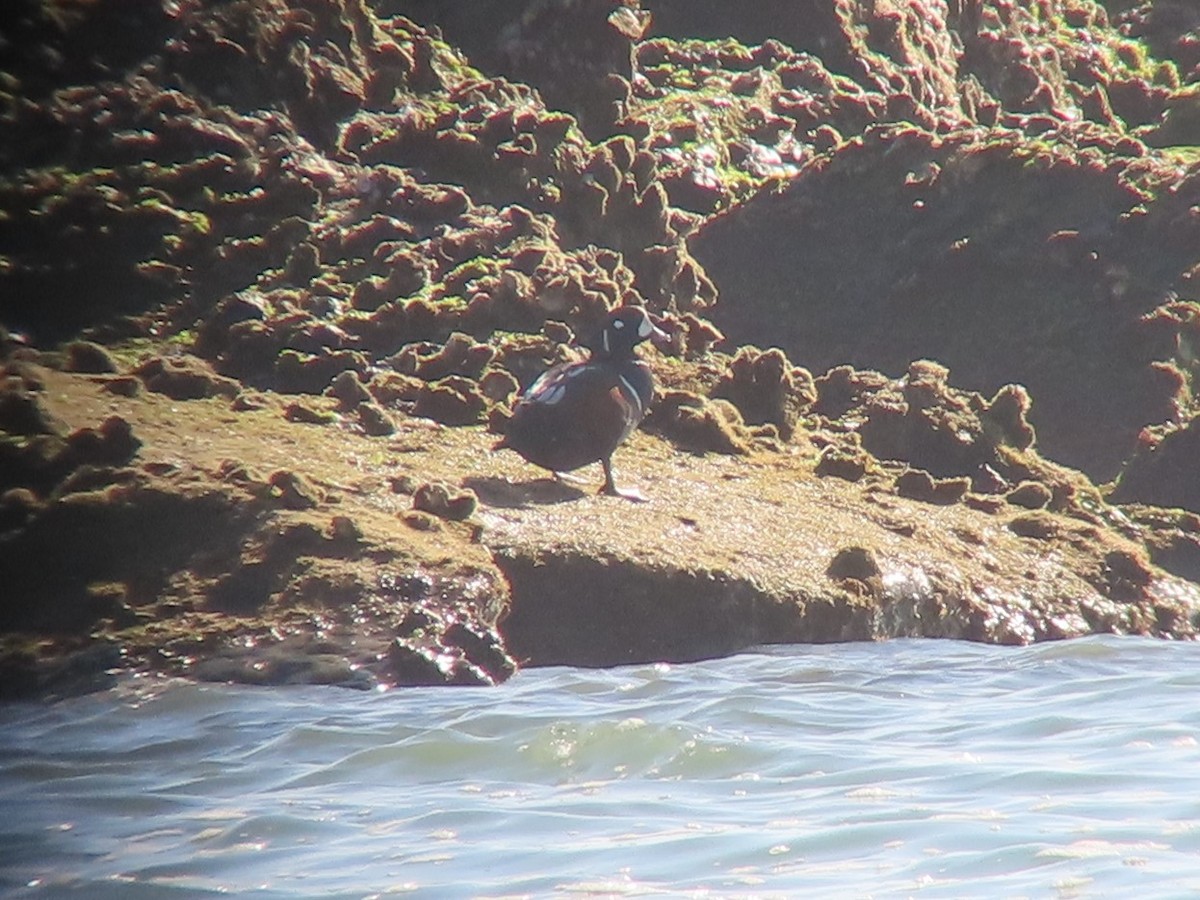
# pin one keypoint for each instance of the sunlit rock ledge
(233, 539)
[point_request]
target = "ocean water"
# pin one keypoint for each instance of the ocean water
(907, 768)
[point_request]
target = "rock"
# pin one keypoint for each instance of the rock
(855, 292)
(444, 501)
(1127, 574)
(392, 387)
(184, 378)
(1164, 470)
(246, 401)
(88, 357)
(113, 443)
(857, 563)
(409, 664)
(766, 388)
(298, 372)
(460, 355)
(21, 412)
(483, 648)
(123, 386)
(1034, 525)
(374, 420)
(420, 521)
(920, 485)
(92, 477)
(699, 424)
(453, 400)
(294, 490)
(847, 461)
(309, 415)
(330, 204)
(28, 675)
(1008, 412)
(1029, 494)
(17, 506)
(348, 390)
(498, 385)
(559, 332)
(699, 336)
(345, 530)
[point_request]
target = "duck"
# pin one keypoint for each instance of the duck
(579, 413)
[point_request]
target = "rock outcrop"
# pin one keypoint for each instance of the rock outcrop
(273, 272)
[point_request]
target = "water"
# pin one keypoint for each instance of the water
(910, 768)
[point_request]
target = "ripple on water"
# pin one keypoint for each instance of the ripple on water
(911, 766)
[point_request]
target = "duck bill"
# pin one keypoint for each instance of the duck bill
(658, 337)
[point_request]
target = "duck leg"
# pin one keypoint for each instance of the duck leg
(610, 486)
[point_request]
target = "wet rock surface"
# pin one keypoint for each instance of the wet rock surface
(274, 273)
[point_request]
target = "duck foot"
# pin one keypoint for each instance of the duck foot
(628, 493)
(610, 488)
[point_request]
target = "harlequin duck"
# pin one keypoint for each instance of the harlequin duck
(579, 413)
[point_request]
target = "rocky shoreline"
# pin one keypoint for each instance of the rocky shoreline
(274, 273)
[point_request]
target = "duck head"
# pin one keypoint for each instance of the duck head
(623, 329)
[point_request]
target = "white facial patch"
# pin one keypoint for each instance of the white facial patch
(645, 327)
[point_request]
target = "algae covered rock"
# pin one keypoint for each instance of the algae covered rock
(879, 254)
(398, 214)
(767, 388)
(1165, 471)
(697, 423)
